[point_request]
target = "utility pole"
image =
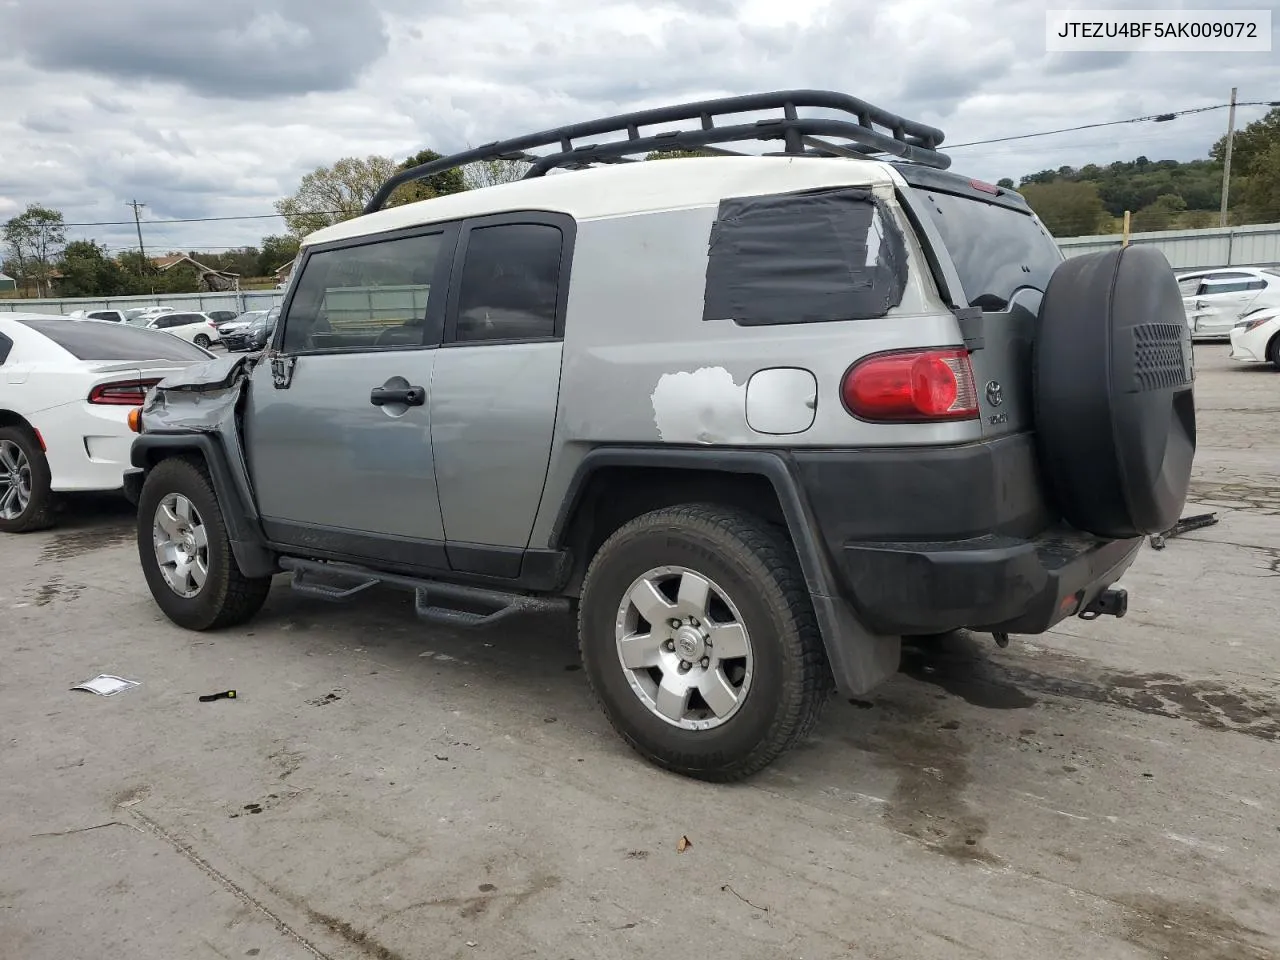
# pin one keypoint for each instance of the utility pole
(1226, 159)
(137, 222)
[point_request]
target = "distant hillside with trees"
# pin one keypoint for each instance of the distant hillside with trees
(1162, 194)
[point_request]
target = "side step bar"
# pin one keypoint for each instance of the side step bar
(435, 601)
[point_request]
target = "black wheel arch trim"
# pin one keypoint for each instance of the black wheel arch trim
(230, 485)
(860, 660)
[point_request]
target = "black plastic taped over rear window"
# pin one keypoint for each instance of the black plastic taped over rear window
(804, 257)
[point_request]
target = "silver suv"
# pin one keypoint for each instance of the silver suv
(755, 418)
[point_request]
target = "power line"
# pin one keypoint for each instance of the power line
(1153, 118)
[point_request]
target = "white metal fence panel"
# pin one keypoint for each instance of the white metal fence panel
(199, 302)
(1257, 245)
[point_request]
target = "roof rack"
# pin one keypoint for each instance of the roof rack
(801, 136)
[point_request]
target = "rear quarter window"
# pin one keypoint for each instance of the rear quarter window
(997, 250)
(814, 256)
(110, 341)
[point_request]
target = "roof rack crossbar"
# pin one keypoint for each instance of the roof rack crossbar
(904, 139)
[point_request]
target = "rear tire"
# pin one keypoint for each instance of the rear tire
(203, 341)
(198, 585)
(748, 633)
(27, 502)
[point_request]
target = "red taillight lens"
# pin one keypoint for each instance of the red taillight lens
(1254, 324)
(915, 385)
(126, 393)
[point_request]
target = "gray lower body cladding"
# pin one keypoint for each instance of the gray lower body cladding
(940, 538)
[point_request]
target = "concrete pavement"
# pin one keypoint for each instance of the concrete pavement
(383, 789)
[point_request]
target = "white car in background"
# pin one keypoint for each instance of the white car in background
(197, 328)
(66, 389)
(1256, 337)
(1216, 299)
(110, 316)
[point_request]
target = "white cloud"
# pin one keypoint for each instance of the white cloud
(217, 110)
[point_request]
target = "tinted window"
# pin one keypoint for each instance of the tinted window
(110, 341)
(182, 319)
(372, 295)
(1231, 286)
(510, 283)
(5, 346)
(996, 250)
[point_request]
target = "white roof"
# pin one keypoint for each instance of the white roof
(627, 188)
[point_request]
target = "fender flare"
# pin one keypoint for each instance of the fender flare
(230, 485)
(860, 659)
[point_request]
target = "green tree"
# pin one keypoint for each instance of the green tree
(1254, 140)
(33, 240)
(276, 252)
(329, 195)
(1068, 208)
(1259, 193)
(1005, 182)
(87, 271)
(436, 185)
(1162, 214)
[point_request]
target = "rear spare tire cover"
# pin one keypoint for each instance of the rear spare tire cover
(1114, 404)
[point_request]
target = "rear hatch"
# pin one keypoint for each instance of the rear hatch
(1003, 258)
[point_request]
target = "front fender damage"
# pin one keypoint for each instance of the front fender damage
(201, 410)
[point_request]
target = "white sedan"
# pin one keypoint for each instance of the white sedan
(66, 389)
(1256, 338)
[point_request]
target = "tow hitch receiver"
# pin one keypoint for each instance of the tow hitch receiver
(1109, 603)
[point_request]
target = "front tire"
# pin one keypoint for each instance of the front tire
(26, 498)
(1273, 351)
(186, 554)
(700, 642)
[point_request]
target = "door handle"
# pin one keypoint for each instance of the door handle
(409, 396)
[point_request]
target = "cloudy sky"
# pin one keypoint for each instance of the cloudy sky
(217, 109)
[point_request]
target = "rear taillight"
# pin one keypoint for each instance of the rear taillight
(125, 393)
(912, 386)
(1256, 322)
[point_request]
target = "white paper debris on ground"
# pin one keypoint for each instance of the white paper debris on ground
(105, 685)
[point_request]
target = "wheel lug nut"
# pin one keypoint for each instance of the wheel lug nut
(669, 645)
(706, 662)
(673, 623)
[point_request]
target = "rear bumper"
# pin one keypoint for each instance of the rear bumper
(938, 538)
(989, 584)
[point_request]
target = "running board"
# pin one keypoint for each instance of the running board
(447, 604)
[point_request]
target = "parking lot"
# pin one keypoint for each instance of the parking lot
(383, 789)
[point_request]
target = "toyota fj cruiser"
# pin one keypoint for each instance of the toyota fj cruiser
(755, 417)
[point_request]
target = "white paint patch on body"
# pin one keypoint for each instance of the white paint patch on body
(704, 406)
